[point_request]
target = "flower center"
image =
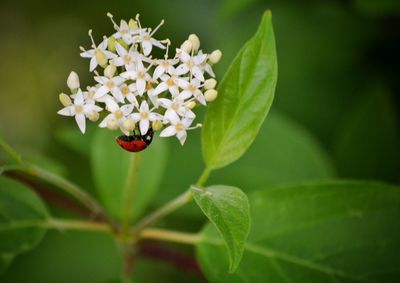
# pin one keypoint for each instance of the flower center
(90, 94)
(125, 90)
(119, 114)
(164, 64)
(175, 106)
(127, 58)
(179, 127)
(110, 84)
(78, 109)
(170, 82)
(191, 88)
(149, 86)
(146, 37)
(144, 115)
(190, 64)
(140, 75)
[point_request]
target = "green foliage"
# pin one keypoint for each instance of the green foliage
(336, 231)
(228, 209)
(111, 167)
(21, 213)
(364, 148)
(245, 96)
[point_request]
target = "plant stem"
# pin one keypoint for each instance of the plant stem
(170, 236)
(57, 181)
(78, 225)
(163, 211)
(203, 177)
(132, 180)
(172, 205)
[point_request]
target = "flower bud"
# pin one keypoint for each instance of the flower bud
(65, 99)
(194, 39)
(112, 124)
(109, 71)
(132, 24)
(191, 105)
(210, 84)
(187, 46)
(211, 95)
(93, 116)
(101, 58)
(73, 81)
(215, 56)
(129, 125)
(111, 44)
(122, 43)
(157, 125)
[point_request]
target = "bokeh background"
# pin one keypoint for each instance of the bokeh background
(335, 114)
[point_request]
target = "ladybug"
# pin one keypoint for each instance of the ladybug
(135, 143)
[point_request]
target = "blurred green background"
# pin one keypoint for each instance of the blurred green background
(335, 114)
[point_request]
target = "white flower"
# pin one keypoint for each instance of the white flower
(171, 83)
(138, 74)
(109, 85)
(126, 57)
(98, 55)
(146, 39)
(144, 117)
(73, 81)
(80, 109)
(178, 128)
(117, 114)
(190, 89)
(175, 107)
(192, 64)
(128, 91)
(165, 66)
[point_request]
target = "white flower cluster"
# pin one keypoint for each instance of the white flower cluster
(138, 91)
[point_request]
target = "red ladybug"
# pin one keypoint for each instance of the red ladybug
(135, 143)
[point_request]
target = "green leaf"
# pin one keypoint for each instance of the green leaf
(245, 97)
(283, 152)
(228, 210)
(21, 213)
(110, 166)
(336, 231)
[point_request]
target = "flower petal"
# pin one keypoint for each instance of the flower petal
(147, 46)
(168, 131)
(127, 109)
(141, 86)
(67, 111)
(100, 92)
(111, 105)
(81, 121)
(144, 126)
(160, 88)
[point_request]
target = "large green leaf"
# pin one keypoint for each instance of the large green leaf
(21, 213)
(245, 97)
(337, 231)
(110, 166)
(228, 210)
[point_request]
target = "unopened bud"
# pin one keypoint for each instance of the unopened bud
(215, 56)
(210, 84)
(132, 24)
(111, 44)
(101, 58)
(122, 43)
(157, 125)
(191, 105)
(112, 124)
(211, 95)
(73, 81)
(93, 116)
(110, 70)
(187, 46)
(129, 125)
(65, 99)
(194, 39)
